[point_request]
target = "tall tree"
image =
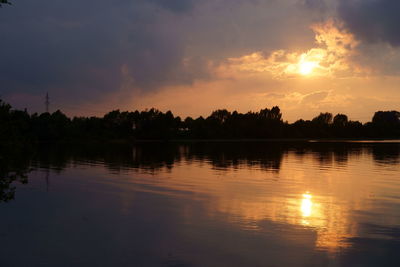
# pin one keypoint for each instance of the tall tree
(323, 118)
(386, 117)
(340, 120)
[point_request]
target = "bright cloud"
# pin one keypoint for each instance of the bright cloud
(331, 57)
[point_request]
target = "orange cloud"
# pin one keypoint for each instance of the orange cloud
(331, 57)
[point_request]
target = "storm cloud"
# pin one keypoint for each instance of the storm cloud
(372, 20)
(60, 46)
(80, 51)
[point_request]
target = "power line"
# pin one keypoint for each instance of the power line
(47, 102)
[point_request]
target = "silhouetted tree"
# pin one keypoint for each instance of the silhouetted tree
(323, 118)
(220, 115)
(18, 126)
(384, 124)
(340, 120)
(386, 117)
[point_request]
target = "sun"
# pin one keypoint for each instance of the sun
(307, 67)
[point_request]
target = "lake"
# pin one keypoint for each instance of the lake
(202, 204)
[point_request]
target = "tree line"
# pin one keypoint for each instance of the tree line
(18, 126)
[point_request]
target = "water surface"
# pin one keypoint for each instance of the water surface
(204, 204)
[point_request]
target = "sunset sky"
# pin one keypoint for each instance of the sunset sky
(195, 56)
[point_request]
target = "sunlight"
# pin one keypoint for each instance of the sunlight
(330, 55)
(306, 205)
(307, 67)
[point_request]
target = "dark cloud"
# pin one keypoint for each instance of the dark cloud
(81, 51)
(175, 5)
(372, 20)
(57, 46)
(319, 5)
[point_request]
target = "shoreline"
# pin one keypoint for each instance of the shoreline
(250, 140)
(205, 141)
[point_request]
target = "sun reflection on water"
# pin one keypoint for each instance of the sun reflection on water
(320, 208)
(306, 205)
(328, 220)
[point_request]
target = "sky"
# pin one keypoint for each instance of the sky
(193, 57)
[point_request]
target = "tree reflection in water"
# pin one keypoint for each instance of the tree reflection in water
(15, 164)
(14, 168)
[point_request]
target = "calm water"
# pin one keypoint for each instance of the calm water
(228, 204)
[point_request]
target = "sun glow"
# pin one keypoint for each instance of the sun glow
(330, 56)
(307, 67)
